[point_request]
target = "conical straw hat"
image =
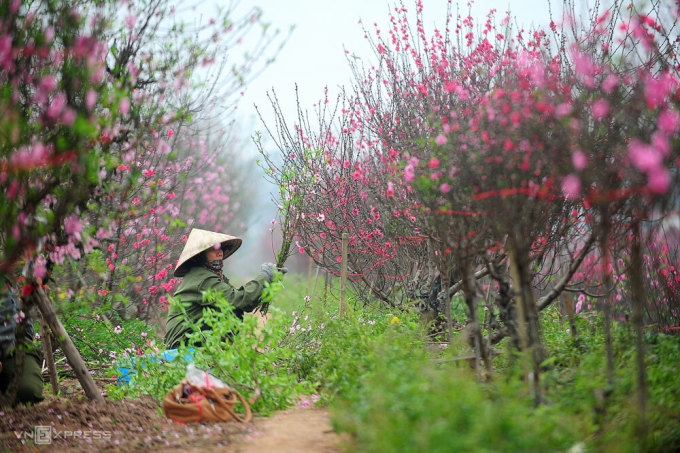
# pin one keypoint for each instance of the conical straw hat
(200, 240)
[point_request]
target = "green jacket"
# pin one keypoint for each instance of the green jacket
(10, 306)
(190, 294)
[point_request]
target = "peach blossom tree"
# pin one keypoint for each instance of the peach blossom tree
(499, 153)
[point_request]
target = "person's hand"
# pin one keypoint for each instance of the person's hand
(268, 270)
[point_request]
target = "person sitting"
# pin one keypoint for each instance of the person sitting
(30, 389)
(200, 267)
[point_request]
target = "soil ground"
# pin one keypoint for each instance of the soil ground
(71, 423)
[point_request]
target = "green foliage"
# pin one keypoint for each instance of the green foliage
(412, 404)
(576, 380)
(243, 354)
(402, 399)
(392, 392)
(100, 333)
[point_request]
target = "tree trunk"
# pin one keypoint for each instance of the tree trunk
(638, 303)
(469, 290)
(528, 322)
(445, 284)
(606, 302)
(70, 351)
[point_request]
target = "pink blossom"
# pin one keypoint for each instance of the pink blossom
(661, 142)
(658, 180)
(6, 60)
(390, 189)
(600, 109)
(445, 188)
(640, 31)
(130, 21)
(57, 106)
(39, 269)
(170, 133)
(562, 110)
(49, 34)
(571, 186)
(603, 17)
(657, 89)
(90, 99)
(31, 156)
(48, 83)
(584, 66)
(609, 83)
(73, 226)
(124, 106)
(434, 163)
(409, 173)
(668, 121)
(579, 160)
(441, 139)
(644, 157)
(579, 303)
(68, 116)
(19, 317)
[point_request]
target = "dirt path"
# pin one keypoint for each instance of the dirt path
(289, 431)
(77, 425)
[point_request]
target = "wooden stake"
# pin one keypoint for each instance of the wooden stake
(343, 275)
(49, 357)
(70, 351)
(571, 312)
